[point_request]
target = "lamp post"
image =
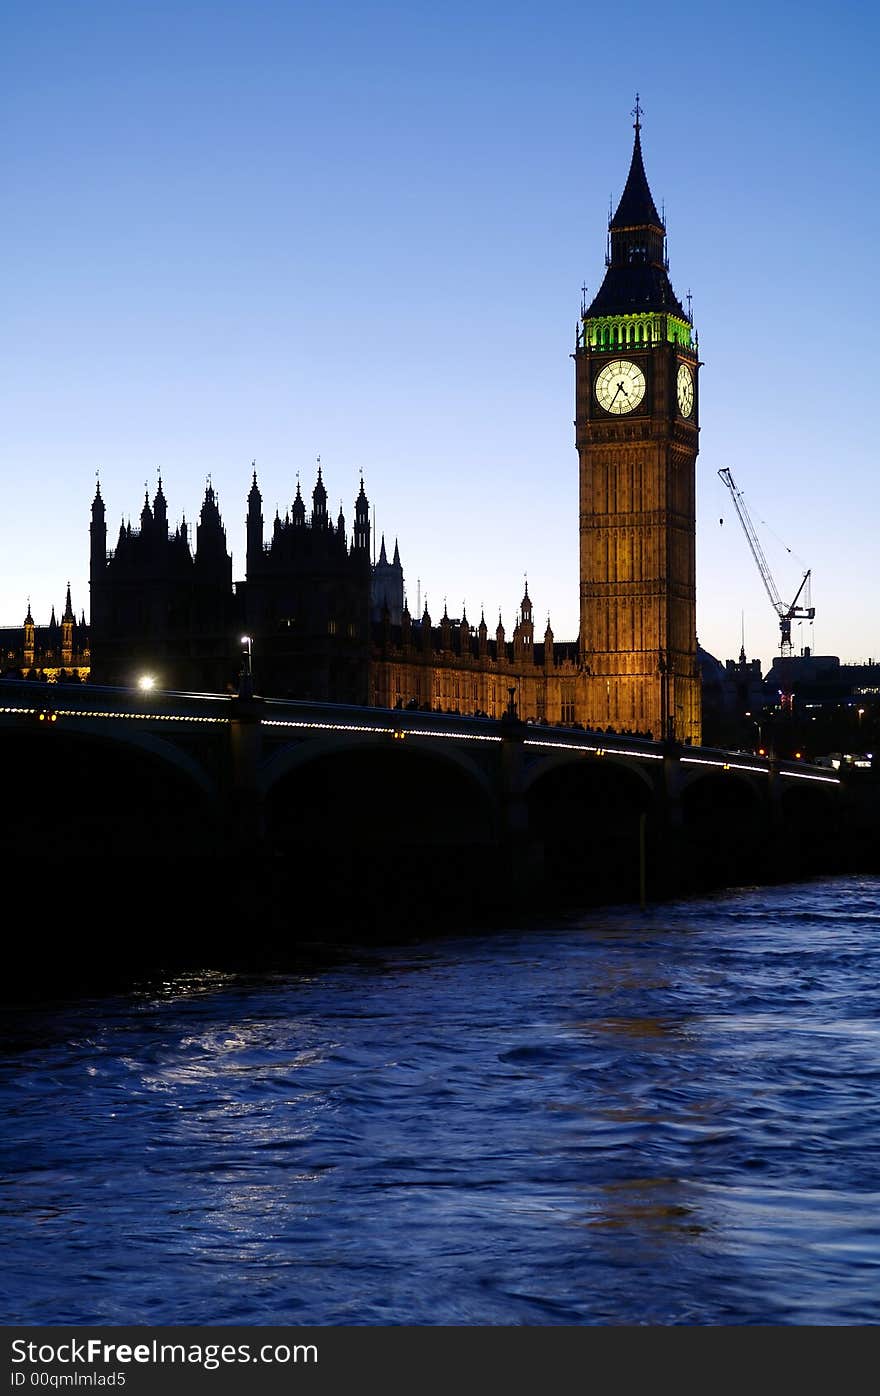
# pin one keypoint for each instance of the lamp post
(246, 677)
(757, 726)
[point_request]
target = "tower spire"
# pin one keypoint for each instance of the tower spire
(636, 279)
(636, 207)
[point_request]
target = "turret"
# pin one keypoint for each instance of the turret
(160, 514)
(526, 624)
(98, 535)
(319, 504)
(298, 512)
(53, 640)
(464, 634)
(340, 526)
(68, 620)
(254, 525)
(362, 522)
(499, 639)
(445, 632)
(548, 647)
(29, 638)
(211, 559)
(482, 636)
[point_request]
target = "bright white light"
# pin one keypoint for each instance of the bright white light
(146, 681)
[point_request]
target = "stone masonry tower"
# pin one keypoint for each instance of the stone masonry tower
(637, 363)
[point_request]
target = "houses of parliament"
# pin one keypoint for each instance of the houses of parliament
(328, 621)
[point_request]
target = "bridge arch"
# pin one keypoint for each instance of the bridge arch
(589, 816)
(556, 760)
(381, 831)
(88, 790)
(810, 821)
(286, 759)
(727, 828)
(730, 783)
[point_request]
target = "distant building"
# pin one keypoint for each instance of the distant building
(57, 652)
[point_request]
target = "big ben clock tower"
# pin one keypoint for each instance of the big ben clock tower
(637, 405)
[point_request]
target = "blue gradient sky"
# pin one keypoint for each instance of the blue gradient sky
(359, 230)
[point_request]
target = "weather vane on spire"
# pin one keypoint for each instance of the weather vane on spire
(638, 112)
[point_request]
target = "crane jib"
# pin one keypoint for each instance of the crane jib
(785, 613)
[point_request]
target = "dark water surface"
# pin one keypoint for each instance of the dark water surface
(661, 1118)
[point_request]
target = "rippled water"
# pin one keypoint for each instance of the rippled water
(661, 1118)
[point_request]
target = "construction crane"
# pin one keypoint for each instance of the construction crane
(785, 613)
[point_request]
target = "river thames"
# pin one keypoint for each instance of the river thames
(619, 1118)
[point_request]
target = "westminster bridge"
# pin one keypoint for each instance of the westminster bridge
(359, 802)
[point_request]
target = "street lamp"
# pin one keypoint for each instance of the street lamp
(757, 726)
(146, 682)
(246, 679)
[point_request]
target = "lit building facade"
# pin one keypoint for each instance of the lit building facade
(57, 652)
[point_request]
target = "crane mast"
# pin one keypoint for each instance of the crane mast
(785, 613)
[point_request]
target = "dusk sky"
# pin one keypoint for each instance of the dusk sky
(358, 230)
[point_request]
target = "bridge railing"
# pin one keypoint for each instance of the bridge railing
(163, 705)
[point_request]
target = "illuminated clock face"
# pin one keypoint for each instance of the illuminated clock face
(620, 386)
(685, 389)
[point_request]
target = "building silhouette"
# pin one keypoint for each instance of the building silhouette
(306, 599)
(158, 606)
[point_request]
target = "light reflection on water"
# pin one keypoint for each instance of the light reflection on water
(668, 1118)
